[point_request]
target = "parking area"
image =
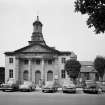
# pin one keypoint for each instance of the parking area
(39, 91)
(58, 98)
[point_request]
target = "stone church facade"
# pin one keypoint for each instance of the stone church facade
(36, 61)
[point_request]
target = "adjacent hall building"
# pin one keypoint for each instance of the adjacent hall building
(36, 61)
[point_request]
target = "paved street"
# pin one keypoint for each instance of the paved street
(39, 98)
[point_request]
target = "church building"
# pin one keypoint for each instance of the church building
(36, 61)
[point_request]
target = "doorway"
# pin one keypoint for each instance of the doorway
(37, 77)
(49, 76)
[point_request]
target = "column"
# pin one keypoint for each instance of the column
(57, 77)
(43, 71)
(30, 69)
(58, 68)
(17, 70)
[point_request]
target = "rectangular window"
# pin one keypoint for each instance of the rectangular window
(38, 61)
(63, 74)
(87, 76)
(50, 61)
(10, 60)
(25, 61)
(63, 60)
(11, 73)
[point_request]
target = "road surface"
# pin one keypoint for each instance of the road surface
(39, 98)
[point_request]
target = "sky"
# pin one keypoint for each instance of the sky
(62, 27)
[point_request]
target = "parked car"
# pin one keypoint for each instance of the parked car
(27, 86)
(11, 85)
(68, 87)
(91, 87)
(49, 87)
(1, 83)
(101, 85)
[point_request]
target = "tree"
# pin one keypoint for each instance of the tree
(72, 68)
(99, 65)
(95, 9)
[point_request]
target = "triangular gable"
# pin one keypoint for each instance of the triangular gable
(36, 48)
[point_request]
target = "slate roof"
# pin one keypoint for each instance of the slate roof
(88, 69)
(86, 63)
(87, 66)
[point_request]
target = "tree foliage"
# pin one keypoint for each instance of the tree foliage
(72, 68)
(96, 12)
(99, 65)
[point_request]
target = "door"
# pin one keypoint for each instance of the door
(49, 76)
(37, 77)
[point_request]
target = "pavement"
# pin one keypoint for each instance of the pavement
(39, 98)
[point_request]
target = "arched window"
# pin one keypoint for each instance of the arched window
(49, 76)
(25, 75)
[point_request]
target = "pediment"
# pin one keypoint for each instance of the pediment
(35, 48)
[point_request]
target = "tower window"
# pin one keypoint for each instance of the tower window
(10, 60)
(25, 75)
(37, 27)
(63, 74)
(11, 73)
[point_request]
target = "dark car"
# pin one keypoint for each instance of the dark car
(49, 87)
(91, 87)
(1, 83)
(68, 87)
(11, 85)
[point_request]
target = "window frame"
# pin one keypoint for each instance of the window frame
(38, 61)
(10, 60)
(10, 73)
(63, 74)
(26, 62)
(63, 60)
(50, 61)
(25, 75)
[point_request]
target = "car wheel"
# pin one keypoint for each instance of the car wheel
(3, 90)
(42, 90)
(63, 91)
(30, 90)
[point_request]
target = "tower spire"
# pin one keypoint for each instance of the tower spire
(37, 18)
(37, 36)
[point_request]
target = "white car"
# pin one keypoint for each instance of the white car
(11, 85)
(68, 87)
(49, 87)
(27, 86)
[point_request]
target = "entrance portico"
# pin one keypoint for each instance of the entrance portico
(37, 68)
